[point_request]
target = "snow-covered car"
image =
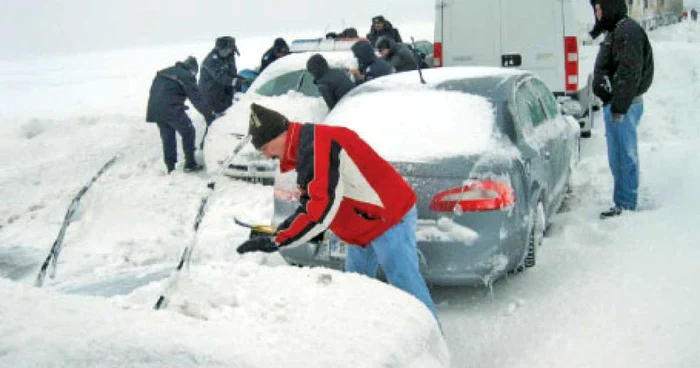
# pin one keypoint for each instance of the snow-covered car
(285, 86)
(486, 150)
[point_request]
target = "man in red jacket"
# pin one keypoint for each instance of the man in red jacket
(348, 188)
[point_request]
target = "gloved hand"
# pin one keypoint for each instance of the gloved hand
(587, 39)
(258, 244)
(618, 118)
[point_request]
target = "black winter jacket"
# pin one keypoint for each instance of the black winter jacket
(333, 84)
(170, 88)
(625, 57)
(216, 80)
(389, 31)
(370, 65)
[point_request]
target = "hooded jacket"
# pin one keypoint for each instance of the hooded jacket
(279, 46)
(344, 184)
(401, 57)
(333, 84)
(625, 58)
(218, 72)
(169, 90)
(370, 65)
(388, 31)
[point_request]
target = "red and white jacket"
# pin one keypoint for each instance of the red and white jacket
(345, 186)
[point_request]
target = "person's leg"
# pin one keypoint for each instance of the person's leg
(186, 130)
(612, 138)
(626, 197)
(397, 253)
(361, 260)
(167, 138)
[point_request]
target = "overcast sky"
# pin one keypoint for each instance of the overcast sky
(48, 26)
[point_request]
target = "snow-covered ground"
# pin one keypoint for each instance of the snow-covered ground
(616, 293)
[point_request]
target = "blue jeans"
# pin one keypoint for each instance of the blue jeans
(396, 252)
(622, 155)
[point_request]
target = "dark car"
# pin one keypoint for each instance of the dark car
(488, 153)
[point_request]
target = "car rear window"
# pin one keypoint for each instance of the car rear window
(418, 125)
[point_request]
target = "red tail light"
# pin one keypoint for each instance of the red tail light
(571, 63)
(437, 54)
(474, 196)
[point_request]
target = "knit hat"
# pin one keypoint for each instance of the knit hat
(191, 64)
(265, 125)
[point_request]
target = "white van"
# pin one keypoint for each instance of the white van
(542, 36)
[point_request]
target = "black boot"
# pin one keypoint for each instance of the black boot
(612, 212)
(191, 164)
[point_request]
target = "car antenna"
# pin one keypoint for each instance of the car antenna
(415, 55)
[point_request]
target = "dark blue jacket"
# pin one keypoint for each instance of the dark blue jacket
(333, 84)
(279, 46)
(216, 80)
(369, 64)
(169, 90)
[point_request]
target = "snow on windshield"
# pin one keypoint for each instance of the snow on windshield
(421, 124)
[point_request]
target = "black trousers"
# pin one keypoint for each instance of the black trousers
(183, 126)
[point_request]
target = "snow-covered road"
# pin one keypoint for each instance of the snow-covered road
(617, 293)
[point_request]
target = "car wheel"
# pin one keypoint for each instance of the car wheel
(536, 227)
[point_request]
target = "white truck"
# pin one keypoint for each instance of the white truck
(542, 36)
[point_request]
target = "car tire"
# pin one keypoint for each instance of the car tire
(536, 228)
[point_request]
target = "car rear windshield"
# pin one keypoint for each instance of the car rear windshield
(418, 124)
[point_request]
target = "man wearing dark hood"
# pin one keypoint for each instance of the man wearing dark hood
(166, 107)
(279, 49)
(218, 74)
(382, 28)
(333, 84)
(624, 70)
(397, 54)
(370, 66)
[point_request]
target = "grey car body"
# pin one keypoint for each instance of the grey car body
(535, 151)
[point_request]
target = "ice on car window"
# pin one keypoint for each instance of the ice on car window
(282, 84)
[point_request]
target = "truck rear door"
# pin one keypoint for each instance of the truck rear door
(532, 31)
(469, 31)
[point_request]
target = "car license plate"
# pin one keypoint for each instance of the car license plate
(337, 249)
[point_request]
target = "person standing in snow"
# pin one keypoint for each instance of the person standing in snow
(279, 49)
(382, 28)
(623, 72)
(370, 66)
(693, 14)
(166, 107)
(333, 84)
(399, 56)
(348, 188)
(218, 74)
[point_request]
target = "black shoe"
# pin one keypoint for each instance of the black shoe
(192, 167)
(612, 212)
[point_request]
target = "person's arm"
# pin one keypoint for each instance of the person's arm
(192, 93)
(327, 95)
(319, 177)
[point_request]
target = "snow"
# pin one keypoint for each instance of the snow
(443, 132)
(615, 293)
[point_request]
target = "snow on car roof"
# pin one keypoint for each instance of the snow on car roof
(436, 76)
(420, 124)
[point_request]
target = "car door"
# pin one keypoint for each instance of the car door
(531, 122)
(557, 135)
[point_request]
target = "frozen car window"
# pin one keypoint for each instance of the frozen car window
(550, 104)
(530, 112)
(307, 86)
(282, 84)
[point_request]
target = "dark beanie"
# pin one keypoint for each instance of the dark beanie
(191, 64)
(265, 125)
